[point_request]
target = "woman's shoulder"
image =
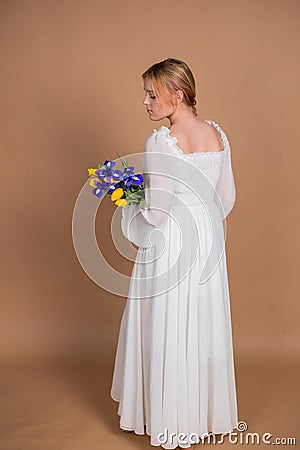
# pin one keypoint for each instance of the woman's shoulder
(199, 136)
(204, 136)
(161, 140)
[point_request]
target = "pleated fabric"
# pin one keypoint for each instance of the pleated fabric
(174, 367)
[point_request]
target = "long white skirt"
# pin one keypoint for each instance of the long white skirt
(174, 366)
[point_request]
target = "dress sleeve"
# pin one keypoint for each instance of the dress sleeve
(160, 170)
(224, 197)
(225, 189)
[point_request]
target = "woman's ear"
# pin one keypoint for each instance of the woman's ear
(179, 96)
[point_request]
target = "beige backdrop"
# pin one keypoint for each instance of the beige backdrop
(71, 94)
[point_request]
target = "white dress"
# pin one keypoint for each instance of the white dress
(174, 366)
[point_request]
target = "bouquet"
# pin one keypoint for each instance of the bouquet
(125, 188)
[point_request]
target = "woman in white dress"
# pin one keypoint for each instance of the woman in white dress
(174, 369)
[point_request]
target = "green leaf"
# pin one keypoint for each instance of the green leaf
(123, 160)
(142, 203)
(133, 197)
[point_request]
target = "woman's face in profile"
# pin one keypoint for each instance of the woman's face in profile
(156, 108)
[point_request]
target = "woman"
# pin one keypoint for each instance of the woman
(174, 368)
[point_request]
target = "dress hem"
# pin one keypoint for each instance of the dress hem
(124, 427)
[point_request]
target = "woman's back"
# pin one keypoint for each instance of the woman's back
(197, 136)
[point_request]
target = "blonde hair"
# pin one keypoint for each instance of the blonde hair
(170, 75)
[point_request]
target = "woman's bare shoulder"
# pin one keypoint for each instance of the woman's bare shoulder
(197, 136)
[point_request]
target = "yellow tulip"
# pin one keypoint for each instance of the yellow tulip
(121, 202)
(92, 171)
(92, 182)
(117, 194)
